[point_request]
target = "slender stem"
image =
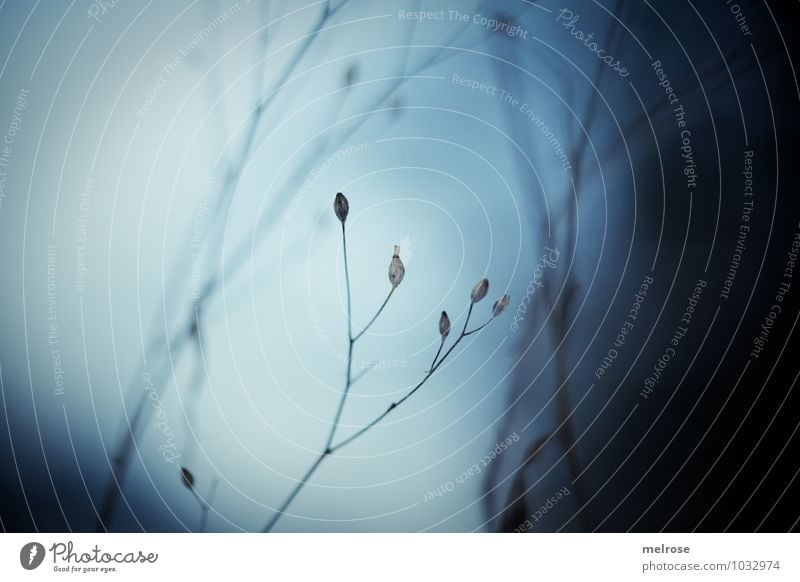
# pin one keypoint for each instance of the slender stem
(374, 317)
(466, 322)
(436, 357)
(232, 176)
(121, 460)
(477, 329)
(347, 284)
(343, 399)
(393, 405)
(240, 256)
(362, 373)
(348, 382)
(282, 509)
(329, 450)
(199, 500)
(230, 183)
(350, 341)
(206, 505)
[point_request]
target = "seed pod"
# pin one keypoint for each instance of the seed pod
(500, 305)
(396, 269)
(444, 325)
(187, 477)
(480, 290)
(341, 207)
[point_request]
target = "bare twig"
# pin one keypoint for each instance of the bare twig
(396, 273)
(350, 342)
(371, 321)
(331, 450)
(165, 349)
(177, 341)
(207, 504)
(258, 232)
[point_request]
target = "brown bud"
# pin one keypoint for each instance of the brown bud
(444, 325)
(396, 269)
(500, 305)
(341, 207)
(480, 290)
(187, 477)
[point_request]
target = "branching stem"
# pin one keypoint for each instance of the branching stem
(329, 450)
(371, 321)
(350, 342)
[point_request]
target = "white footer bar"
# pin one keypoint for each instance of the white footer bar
(371, 557)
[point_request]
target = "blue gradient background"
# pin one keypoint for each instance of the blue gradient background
(440, 171)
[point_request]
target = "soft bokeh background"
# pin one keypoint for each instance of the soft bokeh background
(176, 164)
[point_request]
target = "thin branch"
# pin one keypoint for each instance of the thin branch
(237, 259)
(228, 187)
(348, 381)
(300, 484)
(363, 373)
(477, 329)
(436, 357)
(205, 505)
(374, 317)
(119, 462)
(393, 405)
(330, 450)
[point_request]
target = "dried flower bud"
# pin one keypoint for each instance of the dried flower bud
(444, 325)
(480, 290)
(188, 478)
(500, 305)
(341, 207)
(396, 268)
